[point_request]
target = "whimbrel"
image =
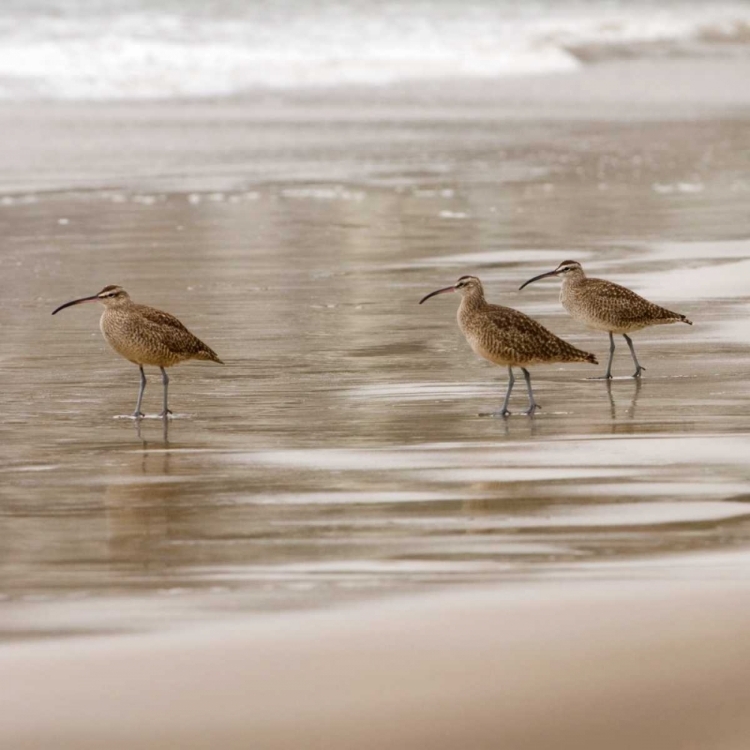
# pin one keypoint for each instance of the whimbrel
(507, 337)
(145, 336)
(606, 306)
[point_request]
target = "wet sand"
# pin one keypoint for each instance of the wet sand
(539, 666)
(337, 462)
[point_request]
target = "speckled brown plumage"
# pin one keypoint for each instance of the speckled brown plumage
(145, 336)
(508, 337)
(606, 306)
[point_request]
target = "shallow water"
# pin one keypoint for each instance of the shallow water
(338, 454)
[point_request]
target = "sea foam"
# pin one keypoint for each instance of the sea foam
(130, 49)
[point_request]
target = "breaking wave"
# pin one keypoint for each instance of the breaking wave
(157, 49)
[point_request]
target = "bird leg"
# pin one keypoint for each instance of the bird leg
(608, 375)
(165, 380)
(504, 411)
(638, 368)
(137, 414)
(533, 406)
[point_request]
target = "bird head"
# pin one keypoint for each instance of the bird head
(567, 268)
(465, 285)
(110, 296)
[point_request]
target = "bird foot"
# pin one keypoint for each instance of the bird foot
(601, 377)
(530, 411)
(499, 413)
(138, 415)
(166, 413)
(639, 370)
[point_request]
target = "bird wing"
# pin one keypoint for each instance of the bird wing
(159, 317)
(611, 291)
(159, 326)
(525, 340)
(625, 304)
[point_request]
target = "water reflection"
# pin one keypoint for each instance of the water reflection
(625, 411)
(140, 431)
(139, 508)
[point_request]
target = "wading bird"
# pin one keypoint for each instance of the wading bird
(606, 306)
(507, 337)
(145, 336)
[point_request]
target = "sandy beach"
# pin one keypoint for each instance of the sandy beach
(327, 547)
(530, 666)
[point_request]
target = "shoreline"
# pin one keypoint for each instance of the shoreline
(531, 666)
(293, 136)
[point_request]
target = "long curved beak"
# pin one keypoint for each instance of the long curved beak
(439, 291)
(536, 278)
(76, 302)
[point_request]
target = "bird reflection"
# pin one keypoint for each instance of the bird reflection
(141, 505)
(164, 432)
(518, 431)
(629, 411)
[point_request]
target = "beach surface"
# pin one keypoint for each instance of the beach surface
(588, 666)
(327, 546)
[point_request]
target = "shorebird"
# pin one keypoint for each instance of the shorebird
(507, 337)
(606, 306)
(145, 336)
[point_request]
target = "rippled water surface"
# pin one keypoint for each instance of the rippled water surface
(338, 454)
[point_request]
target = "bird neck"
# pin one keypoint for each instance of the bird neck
(573, 278)
(116, 312)
(473, 300)
(118, 307)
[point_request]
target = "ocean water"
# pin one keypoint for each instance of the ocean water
(161, 49)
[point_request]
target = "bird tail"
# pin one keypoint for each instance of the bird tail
(669, 316)
(574, 354)
(208, 354)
